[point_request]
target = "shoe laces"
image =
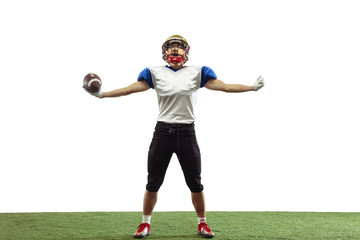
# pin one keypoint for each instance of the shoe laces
(142, 226)
(203, 226)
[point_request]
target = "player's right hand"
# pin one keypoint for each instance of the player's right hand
(96, 94)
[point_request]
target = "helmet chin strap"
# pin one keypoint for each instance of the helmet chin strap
(175, 59)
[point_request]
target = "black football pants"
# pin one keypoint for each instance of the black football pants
(169, 139)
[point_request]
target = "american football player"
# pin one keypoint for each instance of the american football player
(176, 86)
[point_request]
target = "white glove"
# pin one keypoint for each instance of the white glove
(96, 94)
(259, 83)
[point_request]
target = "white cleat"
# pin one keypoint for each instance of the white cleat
(143, 230)
(204, 230)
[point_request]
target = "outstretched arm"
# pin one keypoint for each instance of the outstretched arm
(138, 86)
(218, 85)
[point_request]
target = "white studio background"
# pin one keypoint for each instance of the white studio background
(292, 146)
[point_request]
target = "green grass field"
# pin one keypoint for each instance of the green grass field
(181, 225)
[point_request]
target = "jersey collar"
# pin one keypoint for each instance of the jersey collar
(175, 69)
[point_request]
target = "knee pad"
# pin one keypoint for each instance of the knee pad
(154, 183)
(194, 183)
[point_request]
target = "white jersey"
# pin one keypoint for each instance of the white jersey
(177, 90)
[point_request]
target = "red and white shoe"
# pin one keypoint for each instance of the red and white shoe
(143, 230)
(204, 230)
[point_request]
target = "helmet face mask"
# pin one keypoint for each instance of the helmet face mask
(175, 49)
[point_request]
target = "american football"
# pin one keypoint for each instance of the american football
(92, 82)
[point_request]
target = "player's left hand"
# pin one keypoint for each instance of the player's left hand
(259, 83)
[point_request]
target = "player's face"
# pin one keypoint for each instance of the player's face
(175, 49)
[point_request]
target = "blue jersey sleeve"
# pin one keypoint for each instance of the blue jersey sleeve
(146, 75)
(206, 74)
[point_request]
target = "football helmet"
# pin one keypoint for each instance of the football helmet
(175, 49)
